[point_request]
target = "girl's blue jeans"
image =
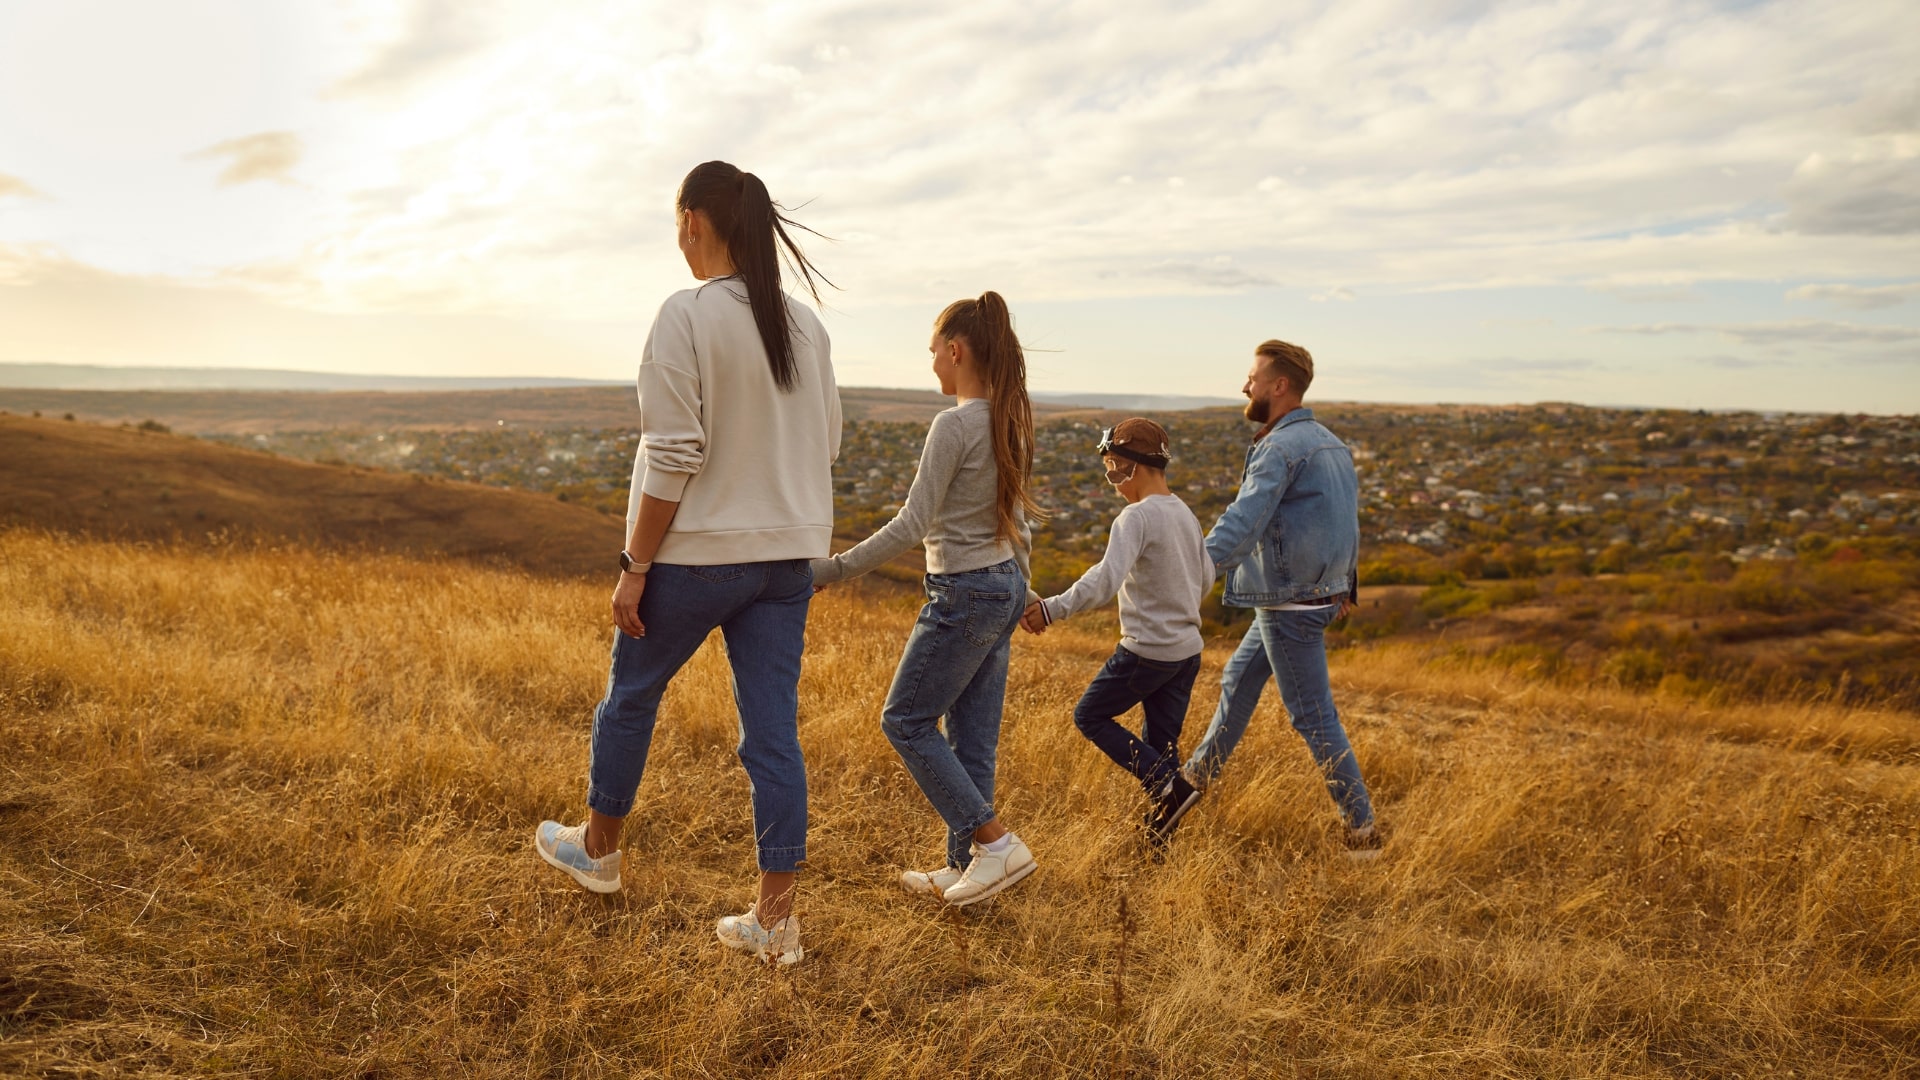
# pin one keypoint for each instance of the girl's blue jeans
(955, 666)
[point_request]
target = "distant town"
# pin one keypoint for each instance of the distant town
(1497, 492)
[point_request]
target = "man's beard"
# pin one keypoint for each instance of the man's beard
(1257, 410)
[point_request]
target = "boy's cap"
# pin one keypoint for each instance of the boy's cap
(1137, 439)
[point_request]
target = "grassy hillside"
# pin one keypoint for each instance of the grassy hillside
(268, 813)
(150, 485)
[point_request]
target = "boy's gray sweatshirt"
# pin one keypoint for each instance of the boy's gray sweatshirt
(1157, 561)
(951, 507)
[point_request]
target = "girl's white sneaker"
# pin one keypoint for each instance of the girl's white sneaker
(991, 871)
(778, 945)
(930, 882)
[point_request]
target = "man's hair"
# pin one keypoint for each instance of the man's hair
(1142, 436)
(1292, 361)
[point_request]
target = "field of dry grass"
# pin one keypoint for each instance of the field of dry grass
(268, 813)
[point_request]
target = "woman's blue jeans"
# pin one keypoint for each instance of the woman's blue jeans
(1290, 646)
(760, 610)
(955, 665)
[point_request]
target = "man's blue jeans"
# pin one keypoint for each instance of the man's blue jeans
(1291, 645)
(760, 610)
(955, 665)
(1162, 689)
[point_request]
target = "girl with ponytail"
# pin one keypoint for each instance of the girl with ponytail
(969, 505)
(732, 496)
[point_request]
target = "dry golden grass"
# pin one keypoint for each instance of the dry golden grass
(268, 813)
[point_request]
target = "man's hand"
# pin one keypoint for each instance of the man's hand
(1347, 607)
(1034, 619)
(626, 604)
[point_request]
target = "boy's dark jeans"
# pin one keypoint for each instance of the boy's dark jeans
(1162, 689)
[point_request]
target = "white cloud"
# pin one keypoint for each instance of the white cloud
(520, 155)
(1792, 332)
(12, 187)
(1872, 190)
(1858, 297)
(1216, 273)
(415, 40)
(269, 155)
(1339, 293)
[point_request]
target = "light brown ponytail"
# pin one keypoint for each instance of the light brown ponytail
(988, 328)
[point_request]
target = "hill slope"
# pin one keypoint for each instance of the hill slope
(144, 485)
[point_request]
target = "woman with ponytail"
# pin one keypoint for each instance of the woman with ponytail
(732, 496)
(969, 505)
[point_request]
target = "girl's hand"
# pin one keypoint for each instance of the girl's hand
(626, 604)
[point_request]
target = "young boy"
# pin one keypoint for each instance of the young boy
(1157, 561)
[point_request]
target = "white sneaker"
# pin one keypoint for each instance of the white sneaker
(1363, 845)
(780, 945)
(990, 872)
(565, 846)
(929, 882)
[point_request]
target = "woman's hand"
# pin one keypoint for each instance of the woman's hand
(626, 604)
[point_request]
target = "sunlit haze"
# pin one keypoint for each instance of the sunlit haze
(1691, 204)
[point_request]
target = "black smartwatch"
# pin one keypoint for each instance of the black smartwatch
(628, 565)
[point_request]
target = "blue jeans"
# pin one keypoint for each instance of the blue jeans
(955, 665)
(1293, 645)
(761, 611)
(1162, 689)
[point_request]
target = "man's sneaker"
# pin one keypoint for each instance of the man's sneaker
(779, 945)
(1363, 845)
(565, 846)
(1171, 804)
(990, 872)
(929, 882)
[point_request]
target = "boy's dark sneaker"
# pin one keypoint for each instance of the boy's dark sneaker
(1170, 804)
(1363, 845)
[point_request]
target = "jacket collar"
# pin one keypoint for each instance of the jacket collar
(1293, 417)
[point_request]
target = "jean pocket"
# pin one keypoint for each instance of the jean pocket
(718, 575)
(990, 615)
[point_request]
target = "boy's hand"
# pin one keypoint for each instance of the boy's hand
(1034, 620)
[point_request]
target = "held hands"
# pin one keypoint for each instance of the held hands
(1034, 620)
(626, 604)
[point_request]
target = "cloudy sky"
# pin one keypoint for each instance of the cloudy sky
(1694, 204)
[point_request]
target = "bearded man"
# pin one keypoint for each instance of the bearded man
(1290, 545)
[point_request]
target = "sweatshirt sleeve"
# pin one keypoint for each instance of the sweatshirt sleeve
(673, 438)
(1103, 579)
(939, 460)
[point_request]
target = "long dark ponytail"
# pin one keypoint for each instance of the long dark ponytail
(988, 328)
(744, 214)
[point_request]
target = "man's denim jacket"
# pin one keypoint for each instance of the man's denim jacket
(1293, 531)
